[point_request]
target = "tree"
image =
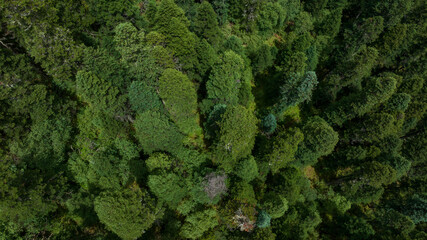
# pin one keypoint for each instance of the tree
(109, 68)
(364, 32)
(283, 148)
(221, 8)
(225, 79)
(172, 23)
(415, 208)
(156, 133)
(167, 188)
(263, 58)
(166, 11)
(291, 184)
(46, 145)
(98, 92)
(271, 16)
(393, 223)
(206, 56)
(377, 174)
(234, 44)
(398, 102)
(129, 41)
(295, 90)
(300, 222)
(269, 123)
(354, 70)
(143, 97)
(159, 161)
(198, 223)
(237, 130)
(319, 140)
(275, 205)
(263, 219)
(357, 227)
(373, 128)
(377, 91)
(247, 169)
(212, 123)
(106, 167)
(127, 213)
(38, 31)
(206, 24)
(180, 99)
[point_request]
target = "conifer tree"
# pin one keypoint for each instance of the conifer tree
(206, 24)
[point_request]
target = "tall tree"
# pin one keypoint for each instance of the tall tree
(225, 79)
(128, 213)
(206, 24)
(237, 130)
(180, 99)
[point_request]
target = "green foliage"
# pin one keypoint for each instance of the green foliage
(212, 123)
(393, 222)
(46, 146)
(206, 24)
(198, 223)
(102, 168)
(101, 99)
(159, 161)
(271, 16)
(167, 188)
(263, 219)
(206, 57)
(299, 223)
(172, 23)
(357, 227)
(269, 123)
(293, 185)
(237, 130)
(275, 205)
(128, 213)
(378, 90)
(263, 58)
(156, 133)
(244, 192)
(180, 99)
(234, 44)
(247, 169)
(377, 174)
(415, 208)
(374, 128)
(225, 79)
(319, 140)
(143, 97)
(296, 90)
(98, 92)
(128, 41)
(398, 102)
(283, 148)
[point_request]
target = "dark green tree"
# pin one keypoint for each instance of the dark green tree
(296, 90)
(206, 24)
(269, 123)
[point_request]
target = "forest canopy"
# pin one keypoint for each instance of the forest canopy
(213, 119)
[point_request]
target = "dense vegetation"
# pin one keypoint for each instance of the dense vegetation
(213, 120)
